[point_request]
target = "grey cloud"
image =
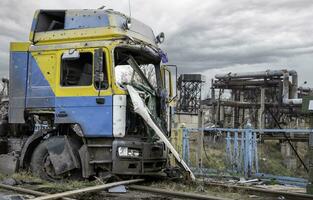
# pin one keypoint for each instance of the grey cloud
(16, 18)
(200, 35)
(242, 32)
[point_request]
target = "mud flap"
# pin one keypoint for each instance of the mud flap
(62, 155)
(141, 109)
(87, 170)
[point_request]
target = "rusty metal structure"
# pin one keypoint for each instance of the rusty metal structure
(189, 98)
(256, 96)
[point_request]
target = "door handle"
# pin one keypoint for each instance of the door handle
(100, 100)
(62, 114)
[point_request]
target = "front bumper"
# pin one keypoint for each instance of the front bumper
(152, 158)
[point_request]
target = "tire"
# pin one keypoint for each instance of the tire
(42, 167)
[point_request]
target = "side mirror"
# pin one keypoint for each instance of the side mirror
(98, 67)
(128, 23)
(160, 38)
(71, 54)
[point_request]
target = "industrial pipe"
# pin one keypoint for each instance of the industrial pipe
(289, 96)
(261, 74)
(294, 84)
(305, 89)
(245, 83)
(286, 86)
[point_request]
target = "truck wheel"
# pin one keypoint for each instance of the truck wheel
(42, 167)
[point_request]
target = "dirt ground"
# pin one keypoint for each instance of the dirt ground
(30, 182)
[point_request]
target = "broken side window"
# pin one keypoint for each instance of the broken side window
(50, 21)
(78, 71)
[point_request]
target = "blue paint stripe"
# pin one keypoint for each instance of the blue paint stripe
(39, 92)
(18, 81)
(96, 120)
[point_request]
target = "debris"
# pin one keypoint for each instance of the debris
(14, 197)
(143, 111)
(10, 181)
(242, 181)
(26, 191)
(185, 195)
(118, 189)
(88, 189)
(253, 196)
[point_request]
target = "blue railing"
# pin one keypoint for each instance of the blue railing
(299, 131)
(241, 146)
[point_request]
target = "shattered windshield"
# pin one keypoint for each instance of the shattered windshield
(125, 74)
(135, 68)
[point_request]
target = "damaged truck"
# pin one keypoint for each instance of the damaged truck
(87, 96)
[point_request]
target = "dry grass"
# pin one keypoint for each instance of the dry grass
(46, 186)
(200, 188)
(271, 160)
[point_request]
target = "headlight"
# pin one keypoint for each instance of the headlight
(128, 152)
(122, 151)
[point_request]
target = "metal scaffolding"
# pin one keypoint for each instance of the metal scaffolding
(189, 90)
(257, 96)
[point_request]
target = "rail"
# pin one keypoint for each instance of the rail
(241, 146)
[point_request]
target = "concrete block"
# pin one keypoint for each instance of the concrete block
(309, 188)
(8, 164)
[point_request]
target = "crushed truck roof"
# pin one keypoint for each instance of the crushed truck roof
(59, 26)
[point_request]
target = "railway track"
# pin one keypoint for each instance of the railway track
(167, 194)
(176, 194)
(262, 192)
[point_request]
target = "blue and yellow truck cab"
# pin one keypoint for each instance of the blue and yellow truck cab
(69, 111)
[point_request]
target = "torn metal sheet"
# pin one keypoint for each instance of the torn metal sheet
(141, 109)
(61, 155)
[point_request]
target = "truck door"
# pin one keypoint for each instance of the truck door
(169, 77)
(79, 98)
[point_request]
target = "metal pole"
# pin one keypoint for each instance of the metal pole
(248, 149)
(236, 152)
(183, 195)
(252, 150)
(88, 189)
(228, 149)
(246, 162)
(242, 155)
(249, 141)
(256, 153)
(186, 145)
(262, 108)
(200, 138)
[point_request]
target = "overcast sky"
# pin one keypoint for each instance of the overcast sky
(205, 37)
